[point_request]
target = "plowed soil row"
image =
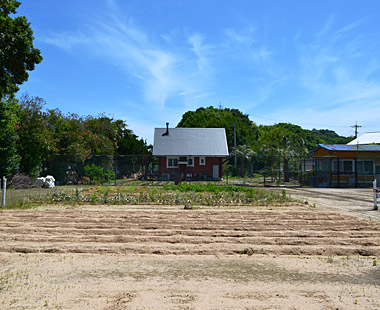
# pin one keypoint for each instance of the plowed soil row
(187, 232)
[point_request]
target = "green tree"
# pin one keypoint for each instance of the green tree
(285, 141)
(17, 53)
(131, 144)
(92, 135)
(103, 135)
(35, 141)
(247, 132)
(244, 153)
(9, 126)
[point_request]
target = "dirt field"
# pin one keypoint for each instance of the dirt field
(154, 257)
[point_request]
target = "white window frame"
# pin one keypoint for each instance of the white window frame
(173, 161)
(192, 162)
(200, 161)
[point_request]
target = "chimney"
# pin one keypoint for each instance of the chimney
(167, 130)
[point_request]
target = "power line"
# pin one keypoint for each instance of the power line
(303, 124)
(356, 126)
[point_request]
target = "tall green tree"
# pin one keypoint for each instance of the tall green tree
(131, 144)
(17, 56)
(92, 135)
(9, 126)
(17, 53)
(244, 154)
(247, 132)
(35, 142)
(285, 141)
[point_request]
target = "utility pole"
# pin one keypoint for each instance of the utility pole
(235, 142)
(220, 106)
(356, 126)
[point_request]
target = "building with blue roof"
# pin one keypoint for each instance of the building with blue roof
(346, 165)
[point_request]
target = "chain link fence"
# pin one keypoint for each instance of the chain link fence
(110, 169)
(258, 170)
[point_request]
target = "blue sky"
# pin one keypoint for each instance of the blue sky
(312, 63)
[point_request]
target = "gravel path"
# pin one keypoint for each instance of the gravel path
(358, 201)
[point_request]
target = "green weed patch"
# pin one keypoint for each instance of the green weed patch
(208, 194)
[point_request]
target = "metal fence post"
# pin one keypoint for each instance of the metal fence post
(375, 194)
(4, 191)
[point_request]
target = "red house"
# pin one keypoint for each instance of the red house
(190, 153)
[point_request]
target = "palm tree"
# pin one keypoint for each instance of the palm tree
(244, 152)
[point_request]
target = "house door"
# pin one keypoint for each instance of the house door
(215, 172)
(182, 172)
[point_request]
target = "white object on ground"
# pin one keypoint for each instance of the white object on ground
(48, 182)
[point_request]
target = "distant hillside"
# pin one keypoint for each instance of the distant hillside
(327, 136)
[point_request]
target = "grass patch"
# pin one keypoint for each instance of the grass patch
(208, 187)
(208, 194)
(26, 198)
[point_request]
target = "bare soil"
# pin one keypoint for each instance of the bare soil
(155, 257)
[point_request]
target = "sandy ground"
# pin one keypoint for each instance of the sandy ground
(153, 257)
(111, 281)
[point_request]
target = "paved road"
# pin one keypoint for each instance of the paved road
(354, 200)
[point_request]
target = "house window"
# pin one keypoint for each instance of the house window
(202, 161)
(345, 167)
(365, 167)
(172, 162)
(322, 165)
(190, 162)
(377, 169)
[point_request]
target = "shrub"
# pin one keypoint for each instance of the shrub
(98, 174)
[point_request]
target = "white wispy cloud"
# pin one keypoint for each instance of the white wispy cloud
(332, 70)
(201, 50)
(326, 28)
(163, 72)
(244, 44)
(337, 70)
(66, 41)
(205, 95)
(349, 27)
(330, 66)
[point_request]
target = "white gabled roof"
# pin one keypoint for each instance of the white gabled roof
(367, 138)
(190, 142)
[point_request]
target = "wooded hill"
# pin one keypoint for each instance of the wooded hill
(260, 138)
